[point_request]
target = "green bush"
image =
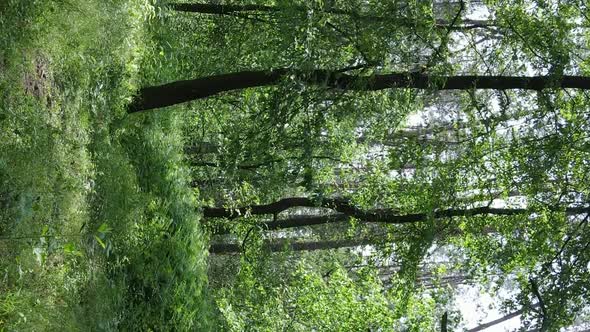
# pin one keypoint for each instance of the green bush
(98, 229)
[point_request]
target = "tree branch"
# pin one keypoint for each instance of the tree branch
(445, 40)
(500, 320)
(544, 316)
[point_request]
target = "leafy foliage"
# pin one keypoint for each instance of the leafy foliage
(100, 210)
(98, 228)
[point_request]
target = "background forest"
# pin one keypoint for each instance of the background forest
(286, 165)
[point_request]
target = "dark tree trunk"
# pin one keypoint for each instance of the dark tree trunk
(272, 208)
(182, 91)
(346, 209)
(444, 323)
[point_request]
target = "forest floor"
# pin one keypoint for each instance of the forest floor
(98, 229)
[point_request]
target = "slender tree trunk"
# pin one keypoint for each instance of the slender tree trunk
(346, 209)
(220, 9)
(444, 323)
(272, 208)
(283, 245)
(382, 217)
(499, 320)
(201, 148)
(265, 163)
(182, 91)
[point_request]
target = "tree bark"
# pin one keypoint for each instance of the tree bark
(304, 221)
(272, 208)
(182, 91)
(347, 209)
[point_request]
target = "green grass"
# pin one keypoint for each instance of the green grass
(98, 229)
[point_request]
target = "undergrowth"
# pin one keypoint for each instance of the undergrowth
(98, 229)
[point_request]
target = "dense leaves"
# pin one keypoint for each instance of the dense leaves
(357, 165)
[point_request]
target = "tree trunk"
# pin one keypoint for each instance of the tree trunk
(444, 322)
(346, 210)
(254, 166)
(182, 91)
(219, 9)
(499, 320)
(201, 148)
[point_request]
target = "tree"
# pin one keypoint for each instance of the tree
(345, 210)
(334, 84)
(230, 9)
(183, 91)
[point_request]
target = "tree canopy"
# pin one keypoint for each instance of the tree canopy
(347, 165)
(402, 126)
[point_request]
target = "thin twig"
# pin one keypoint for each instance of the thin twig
(445, 39)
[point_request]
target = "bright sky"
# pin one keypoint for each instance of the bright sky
(478, 308)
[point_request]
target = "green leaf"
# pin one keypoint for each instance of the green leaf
(102, 244)
(45, 230)
(104, 228)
